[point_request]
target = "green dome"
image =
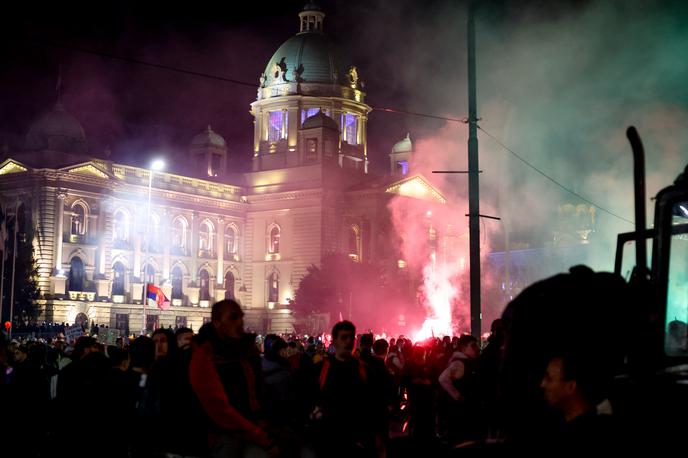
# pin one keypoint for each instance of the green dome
(307, 57)
(56, 130)
(208, 138)
(403, 146)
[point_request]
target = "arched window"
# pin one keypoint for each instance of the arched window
(78, 223)
(176, 276)
(229, 285)
(148, 273)
(154, 232)
(76, 274)
(204, 284)
(120, 230)
(206, 237)
(118, 279)
(432, 239)
(231, 241)
(354, 242)
(274, 240)
(273, 287)
(178, 232)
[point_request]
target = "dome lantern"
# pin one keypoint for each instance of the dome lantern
(311, 18)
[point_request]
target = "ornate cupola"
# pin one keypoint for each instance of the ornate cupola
(400, 157)
(209, 153)
(311, 18)
(303, 77)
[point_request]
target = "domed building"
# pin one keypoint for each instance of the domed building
(57, 130)
(105, 230)
(305, 76)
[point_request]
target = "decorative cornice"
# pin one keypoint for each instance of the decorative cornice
(290, 195)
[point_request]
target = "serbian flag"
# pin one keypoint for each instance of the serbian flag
(157, 298)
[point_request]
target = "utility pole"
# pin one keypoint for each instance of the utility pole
(473, 179)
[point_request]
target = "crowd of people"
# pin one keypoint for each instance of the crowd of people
(223, 392)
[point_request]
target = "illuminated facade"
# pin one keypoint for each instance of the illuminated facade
(211, 236)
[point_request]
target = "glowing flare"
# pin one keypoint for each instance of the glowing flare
(439, 293)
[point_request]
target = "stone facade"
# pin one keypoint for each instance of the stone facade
(207, 235)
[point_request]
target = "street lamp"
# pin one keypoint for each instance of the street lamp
(156, 165)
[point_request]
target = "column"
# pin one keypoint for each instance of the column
(102, 238)
(220, 251)
(101, 280)
(58, 281)
(195, 221)
(166, 224)
(219, 292)
(293, 125)
(137, 255)
(59, 231)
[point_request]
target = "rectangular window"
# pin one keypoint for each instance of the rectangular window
(350, 128)
(215, 166)
(308, 112)
(311, 150)
(277, 125)
(676, 326)
(180, 322)
(152, 322)
(122, 322)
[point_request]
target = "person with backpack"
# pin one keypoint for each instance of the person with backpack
(346, 409)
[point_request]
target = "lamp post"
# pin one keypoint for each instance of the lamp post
(157, 164)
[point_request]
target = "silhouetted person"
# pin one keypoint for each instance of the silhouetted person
(572, 385)
(580, 313)
(224, 379)
(460, 386)
(346, 406)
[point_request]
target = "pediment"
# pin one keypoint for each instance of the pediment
(416, 187)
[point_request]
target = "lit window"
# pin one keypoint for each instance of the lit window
(273, 287)
(401, 264)
(402, 167)
(311, 150)
(204, 284)
(118, 279)
(277, 125)
(78, 223)
(148, 273)
(354, 243)
(307, 113)
(229, 285)
(432, 238)
(120, 230)
(178, 232)
(206, 236)
(230, 240)
(215, 166)
(176, 277)
(350, 128)
(274, 240)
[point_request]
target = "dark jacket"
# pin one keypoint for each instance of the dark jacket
(224, 379)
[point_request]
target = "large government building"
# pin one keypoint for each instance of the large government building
(102, 229)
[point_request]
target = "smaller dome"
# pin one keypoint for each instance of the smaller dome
(56, 130)
(208, 138)
(403, 146)
(320, 119)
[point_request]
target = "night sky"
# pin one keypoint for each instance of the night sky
(411, 55)
(136, 111)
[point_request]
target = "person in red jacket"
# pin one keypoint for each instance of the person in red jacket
(224, 380)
